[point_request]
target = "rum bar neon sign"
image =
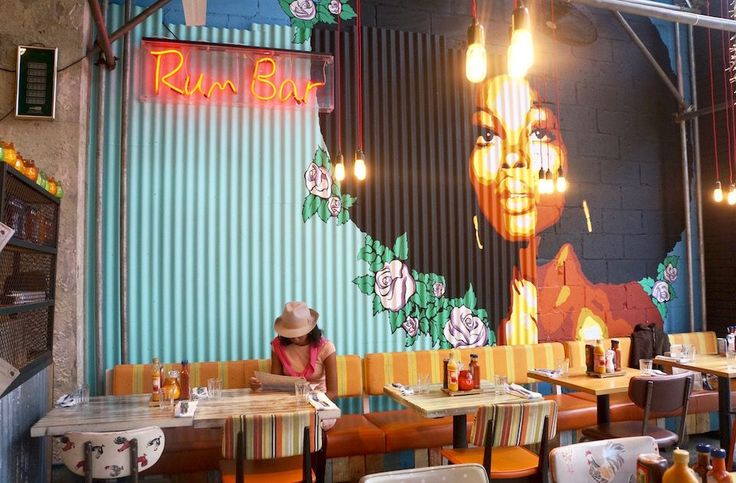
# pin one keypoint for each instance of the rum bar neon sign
(202, 73)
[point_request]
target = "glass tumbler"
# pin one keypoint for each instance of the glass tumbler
(301, 391)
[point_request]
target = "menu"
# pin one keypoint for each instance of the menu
(275, 382)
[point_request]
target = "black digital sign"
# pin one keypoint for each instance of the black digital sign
(35, 96)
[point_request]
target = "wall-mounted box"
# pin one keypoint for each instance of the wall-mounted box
(35, 93)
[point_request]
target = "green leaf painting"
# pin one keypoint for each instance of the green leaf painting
(324, 198)
(661, 289)
(311, 204)
(423, 308)
(305, 14)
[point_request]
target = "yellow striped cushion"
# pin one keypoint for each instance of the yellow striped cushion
(136, 378)
(704, 342)
(349, 376)
(269, 436)
(516, 424)
(512, 361)
(575, 350)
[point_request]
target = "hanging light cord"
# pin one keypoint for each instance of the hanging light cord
(729, 109)
(359, 74)
(712, 96)
(338, 68)
(557, 71)
(474, 9)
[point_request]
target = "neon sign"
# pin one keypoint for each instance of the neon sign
(201, 73)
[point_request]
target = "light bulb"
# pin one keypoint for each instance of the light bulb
(542, 183)
(561, 183)
(718, 193)
(732, 194)
(476, 58)
(340, 168)
(521, 49)
(360, 169)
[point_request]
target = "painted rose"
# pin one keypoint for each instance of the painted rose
(318, 181)
(334, 204)
(661, 291)
(411, 325)
(394, 285)
(464, 329)
(438, 289)
(670, 273)
(303, 9)
(335, 7)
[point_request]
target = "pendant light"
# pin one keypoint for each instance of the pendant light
(340, 168)
(521, 50)
(359, 168)
(732, 194)
(561, 182)
(546, 185)
(476, 58)
(718, 193)
(340, 165)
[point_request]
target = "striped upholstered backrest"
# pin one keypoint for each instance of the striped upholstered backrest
(513, 361)
(575, 350)
(136, 378)
(516, 424)
(386, 367)
(349, 376)
(269, 436)
(704, 342)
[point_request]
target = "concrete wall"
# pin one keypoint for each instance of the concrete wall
(59, 147)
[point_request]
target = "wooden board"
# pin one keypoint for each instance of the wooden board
(577, 380)
(464, 393)
(606, 374)
(436, 404)
(710, 364)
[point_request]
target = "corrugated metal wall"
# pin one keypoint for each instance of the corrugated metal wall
(217, 243)
(22, 458)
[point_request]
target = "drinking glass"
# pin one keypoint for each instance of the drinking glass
(563, 365)
(731, 360)
(301, 390)
(423, 381)
(645, 366)
(500, 384)
(83, 394)
(214, 388)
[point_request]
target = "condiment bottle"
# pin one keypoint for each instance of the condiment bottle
(610, 363)
(702, 465)
(184, 379)
(155, 381)
(171, 387)
(718, 473)
(617, 352)
(445, 361)
(599, 358)
(680, 472)
(589, 357)
(453, 372)
(475, 370)
(650, 467)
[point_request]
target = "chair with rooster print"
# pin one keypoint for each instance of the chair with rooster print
(114, 454)
(603, 461)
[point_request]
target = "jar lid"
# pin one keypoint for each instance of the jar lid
(703, 448)
(718, 453)
(474, 355)
(173, 373)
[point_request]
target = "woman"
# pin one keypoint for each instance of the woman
(299, 350)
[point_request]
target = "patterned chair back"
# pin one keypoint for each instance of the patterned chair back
(271, 436)
(516, 424)
(610, 460)
(111, 451)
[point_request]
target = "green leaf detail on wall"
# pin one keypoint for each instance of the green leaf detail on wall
(647, 284)
(673, 295)
(421, 296)
(376, 265)
(662, 309)
(388, 255)
(401, 247)
(366, 254)
(396, 319)
(302, 34)
(311, 203)
(323, 211)
(423, 325)
(469, 300)
(377, 306)
(410, 340)
(324, 14)
(343, 217)
(347, 12)
(365, 283)
(348, 201)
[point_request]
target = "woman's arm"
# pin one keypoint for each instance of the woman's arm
(331, 376)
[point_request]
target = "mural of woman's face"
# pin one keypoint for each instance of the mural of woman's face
(515, 135)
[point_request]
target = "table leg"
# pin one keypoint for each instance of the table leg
(724, 412)
(460, 431)
(604, 409)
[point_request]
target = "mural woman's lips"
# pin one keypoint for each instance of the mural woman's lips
(516, 198)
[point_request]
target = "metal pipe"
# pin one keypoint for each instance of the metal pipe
(701, 112)
(662, 74)
(106, 47)
(667, 6)
(662, 13)
(685, 184)
(130, 25)
(99, 245)
(124, 115)
(698, 177)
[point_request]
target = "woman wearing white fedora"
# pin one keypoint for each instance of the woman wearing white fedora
(299, 350)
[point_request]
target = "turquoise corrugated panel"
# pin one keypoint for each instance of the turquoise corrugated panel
(216, 239)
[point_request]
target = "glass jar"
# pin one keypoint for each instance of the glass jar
(171, 387)
(15, 215)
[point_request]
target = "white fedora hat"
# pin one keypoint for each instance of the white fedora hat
(296, 320)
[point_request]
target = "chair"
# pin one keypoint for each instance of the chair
(609, 460)
(113, 454)
(662, 395)
(507, 427)
(470, 473)
(270, 447)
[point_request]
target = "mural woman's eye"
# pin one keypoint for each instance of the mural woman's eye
(486, 136)
(543, 134)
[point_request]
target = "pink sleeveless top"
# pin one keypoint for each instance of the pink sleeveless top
(305, 361)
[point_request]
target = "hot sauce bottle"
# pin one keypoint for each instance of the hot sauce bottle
(184, 379)
(718, 473)
(453, 373)
(702, 465)
(155, 381)
(475, 370)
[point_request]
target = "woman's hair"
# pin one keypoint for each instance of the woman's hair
(314, 336)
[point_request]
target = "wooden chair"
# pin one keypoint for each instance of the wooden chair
(270, 448)
(654, 394)
(609, 460)
(500, 432)
(471, 473)
(114, 454)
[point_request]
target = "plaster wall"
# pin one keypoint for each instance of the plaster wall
(59, 147)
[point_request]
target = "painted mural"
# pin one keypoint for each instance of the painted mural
(304, 15)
